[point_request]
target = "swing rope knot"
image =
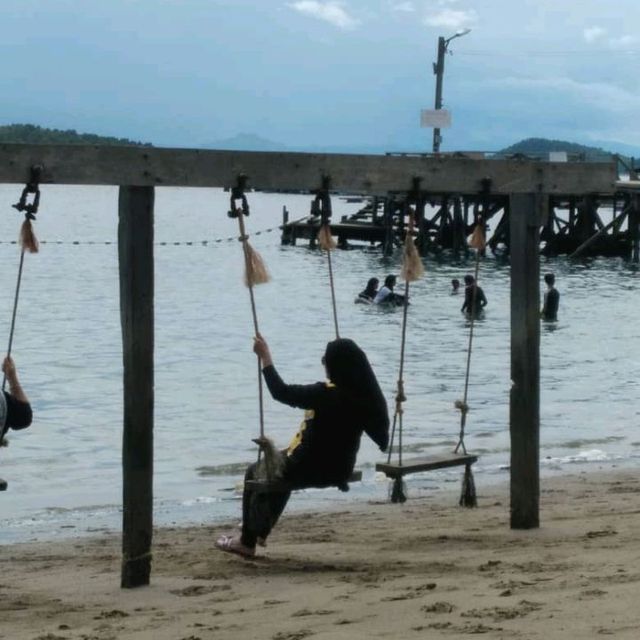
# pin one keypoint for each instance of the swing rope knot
(400, 396)
(462, 406)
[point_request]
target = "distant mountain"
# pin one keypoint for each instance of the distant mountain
(544, 146)
(33, 134)
(253, 142)
(246, 142)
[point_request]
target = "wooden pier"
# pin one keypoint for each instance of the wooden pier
(571, 224)
(482, 188)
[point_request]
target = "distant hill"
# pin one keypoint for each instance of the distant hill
(246, 142)
(543, 146)
(33, 134)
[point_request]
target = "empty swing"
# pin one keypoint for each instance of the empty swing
(412, 270)
(28, 244)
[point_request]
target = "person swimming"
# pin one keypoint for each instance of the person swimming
(386, 295)
(368, 294)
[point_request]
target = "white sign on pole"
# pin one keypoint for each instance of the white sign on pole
(436, 118)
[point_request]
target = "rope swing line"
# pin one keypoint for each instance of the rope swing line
(28, 244)
(255, 273)
(478, 243)
(412, 270)
(321, 206)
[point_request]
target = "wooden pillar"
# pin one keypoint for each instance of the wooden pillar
(135, 252)
(387, 243)
(524, 413)
(634, 227)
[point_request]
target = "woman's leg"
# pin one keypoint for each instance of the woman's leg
(260, 511)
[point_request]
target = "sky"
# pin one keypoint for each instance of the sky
(345, 75)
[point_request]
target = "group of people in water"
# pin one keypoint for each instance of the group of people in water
(384, 296)
(474, 298)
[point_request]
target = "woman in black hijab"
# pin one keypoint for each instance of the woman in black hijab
(368, 294)
(323, 451)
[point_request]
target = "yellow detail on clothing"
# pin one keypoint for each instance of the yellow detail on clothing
(309, 414)
(297, 439)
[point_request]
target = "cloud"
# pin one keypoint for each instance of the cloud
(593, 34)
(605, 96)
(332, 12)
(403, 7)
(451, 18)
(623, 42)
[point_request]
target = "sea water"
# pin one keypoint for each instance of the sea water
(64, 472)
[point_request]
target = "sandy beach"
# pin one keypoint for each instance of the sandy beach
(423, 569)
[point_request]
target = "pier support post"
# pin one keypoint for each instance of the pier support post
(135, 252)
(634, 227)
(524, 413)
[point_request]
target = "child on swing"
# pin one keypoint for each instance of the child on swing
(323, 452)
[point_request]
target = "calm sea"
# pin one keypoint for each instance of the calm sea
(64, 472)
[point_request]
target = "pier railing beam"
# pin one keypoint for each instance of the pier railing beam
(135, 251)
(524, 413)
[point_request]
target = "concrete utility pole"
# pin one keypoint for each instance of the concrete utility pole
(438, 70)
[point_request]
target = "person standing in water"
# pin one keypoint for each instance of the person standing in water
(551, 299)
(474, 299)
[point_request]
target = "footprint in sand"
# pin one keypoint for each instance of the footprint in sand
(200, 590)
(309, 612)
(438, 607)
(110, 615)
(293, 635)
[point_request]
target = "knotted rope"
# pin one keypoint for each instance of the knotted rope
(478, 243)
(255, 273)
(412, 270)
(321, 205)
(468, 493)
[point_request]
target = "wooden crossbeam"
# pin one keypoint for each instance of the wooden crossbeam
(358, 174)
(279, 486)
(430, 463)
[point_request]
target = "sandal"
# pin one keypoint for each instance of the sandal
(233, 545)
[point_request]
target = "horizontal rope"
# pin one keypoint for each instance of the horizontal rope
(163, 243)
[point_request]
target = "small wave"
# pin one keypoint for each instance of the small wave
(233, 469)
(592, 455)
(579, 444)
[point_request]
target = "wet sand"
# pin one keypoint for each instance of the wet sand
(425, 569)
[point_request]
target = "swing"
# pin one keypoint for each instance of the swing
(321, 205)
(28, 243)
(412, 270)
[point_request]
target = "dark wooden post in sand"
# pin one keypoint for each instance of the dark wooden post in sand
(524, 412)
(135, 251)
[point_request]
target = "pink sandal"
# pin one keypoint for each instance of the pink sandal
(233, 545)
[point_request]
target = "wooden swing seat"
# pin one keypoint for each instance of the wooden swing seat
(279, 486)
(430, 463)
(3, 485)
